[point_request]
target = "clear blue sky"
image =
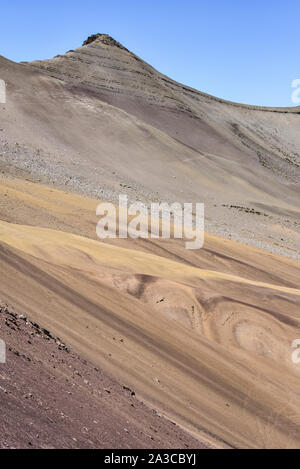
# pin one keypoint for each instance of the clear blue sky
(243, 50)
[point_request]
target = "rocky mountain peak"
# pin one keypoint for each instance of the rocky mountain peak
(105, 39)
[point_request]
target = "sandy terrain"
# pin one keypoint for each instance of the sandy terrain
(203, 337)
(52, 398)
(101, 121)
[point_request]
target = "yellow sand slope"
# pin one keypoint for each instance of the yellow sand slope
(204, 337)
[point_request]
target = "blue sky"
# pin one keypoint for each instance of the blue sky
(243, 50)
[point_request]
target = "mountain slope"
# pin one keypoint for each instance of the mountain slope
(101, 121)
(72, 404)
(205, 338)
(111, 72)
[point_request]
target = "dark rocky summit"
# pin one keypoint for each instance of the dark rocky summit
(105, 39)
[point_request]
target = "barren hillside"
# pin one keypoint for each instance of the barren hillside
(99, 120)
(203, 337)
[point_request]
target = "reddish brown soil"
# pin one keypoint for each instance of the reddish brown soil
(52, 398)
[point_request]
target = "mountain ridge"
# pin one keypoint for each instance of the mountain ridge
(97, 39)
(121, 125)
(202, 337)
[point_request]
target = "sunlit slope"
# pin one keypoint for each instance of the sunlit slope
(98, 120)
(223, 132)
(207, 342)
(60, 248)
(27, 203)
(202, 336)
